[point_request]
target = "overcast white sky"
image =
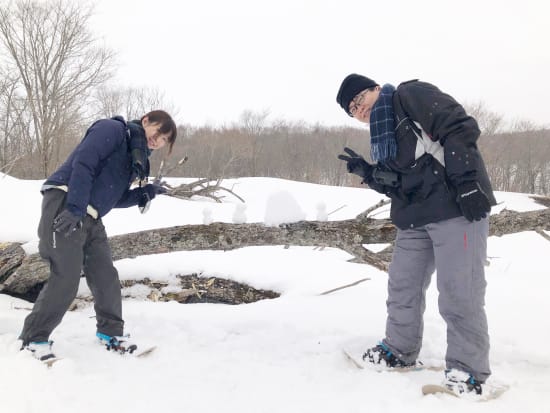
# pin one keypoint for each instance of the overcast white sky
(216, 58)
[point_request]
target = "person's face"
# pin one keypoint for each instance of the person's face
(155, 139)
(361, 105)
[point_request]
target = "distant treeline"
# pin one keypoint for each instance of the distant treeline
(516, 161)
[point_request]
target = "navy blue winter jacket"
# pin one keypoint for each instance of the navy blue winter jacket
(99, 171)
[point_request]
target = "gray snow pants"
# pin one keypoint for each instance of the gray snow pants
(85, 250)
(457, 250)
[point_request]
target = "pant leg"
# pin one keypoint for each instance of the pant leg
(102, 278)
(65, 257)
(409, 277)
(460, 255)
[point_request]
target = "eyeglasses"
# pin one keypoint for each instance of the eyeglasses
(357, 102)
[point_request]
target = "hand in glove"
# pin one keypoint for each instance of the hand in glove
(149, 192)
(66, 222)
(356, 163)
(154, 189)
(473, 201)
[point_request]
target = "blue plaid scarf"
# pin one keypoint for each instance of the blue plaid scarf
(383, 146)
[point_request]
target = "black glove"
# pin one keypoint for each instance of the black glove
(149, 192)
(356, 164)
(473, 201)
(154, 189)
(66, 222)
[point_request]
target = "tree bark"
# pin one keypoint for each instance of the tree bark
(348, 235)
(11, 257)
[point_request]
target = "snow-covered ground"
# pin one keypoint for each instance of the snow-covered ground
(280, 355)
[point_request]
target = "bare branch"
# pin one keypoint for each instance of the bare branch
(379, 204)
(203, 187)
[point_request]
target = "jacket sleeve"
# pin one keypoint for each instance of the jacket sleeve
(101, 139)
(446, 121)
(130, 198)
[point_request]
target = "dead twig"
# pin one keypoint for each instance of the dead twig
(202, 187)
(337, 209)
(366, 213)
(345, 286)
(161, 173)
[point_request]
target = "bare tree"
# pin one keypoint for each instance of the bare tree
(489, 122)
(533, 158)
(7, 151)
(131, 102)
(254, 122)
(519, 161)
(50, 48)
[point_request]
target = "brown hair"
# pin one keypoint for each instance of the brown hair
(167, 125)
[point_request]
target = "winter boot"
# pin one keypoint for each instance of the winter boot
(40, 350)
(381, 353)
(119, 344)
(461, 382)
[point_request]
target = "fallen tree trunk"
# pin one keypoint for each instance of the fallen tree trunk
(348, 235)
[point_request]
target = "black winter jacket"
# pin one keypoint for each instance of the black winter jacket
(99, 171)
(436, 152)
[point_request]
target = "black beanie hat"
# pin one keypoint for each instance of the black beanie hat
(350, 87)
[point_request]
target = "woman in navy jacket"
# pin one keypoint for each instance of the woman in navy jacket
(96, 177)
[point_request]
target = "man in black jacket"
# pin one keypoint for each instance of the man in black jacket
(95, 178)
(426, 160)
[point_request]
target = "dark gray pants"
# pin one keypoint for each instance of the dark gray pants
(85, 250)
(457, 250)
